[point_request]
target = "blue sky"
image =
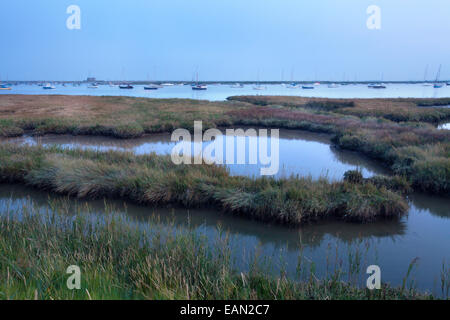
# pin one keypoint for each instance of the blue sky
(224, 40)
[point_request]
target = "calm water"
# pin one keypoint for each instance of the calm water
(393, 244)
(221, 92)
(445, 126)
(301, 153)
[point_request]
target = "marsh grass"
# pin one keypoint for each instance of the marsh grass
(122, 259)
(416, 151)
(155, 180)
(120, 117)
(397, 132)
(398, 110)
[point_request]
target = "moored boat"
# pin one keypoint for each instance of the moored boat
(151, 87)
(293, 85)
(199, 87)
(48, 86)
(126, 86)
(438, 84)
(377, 86)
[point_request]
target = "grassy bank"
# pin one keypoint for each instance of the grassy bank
(155, 180)
(415, 150)
(120, 117)
(120, 259)
(128, 117)
(398, 132)
(398, 110)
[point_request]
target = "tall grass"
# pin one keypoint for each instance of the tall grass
(153, 179)
(122, 259)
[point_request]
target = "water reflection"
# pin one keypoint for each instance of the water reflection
(435, 205)
(392, 244)
(302, 153)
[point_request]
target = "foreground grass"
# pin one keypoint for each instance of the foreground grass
(153, 179)
(121, 259)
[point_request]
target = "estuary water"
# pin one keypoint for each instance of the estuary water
(219, 92)
(444, 126)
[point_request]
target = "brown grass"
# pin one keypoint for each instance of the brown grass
(400, 109)
(106, 110)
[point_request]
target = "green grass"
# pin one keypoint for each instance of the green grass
(122, 259)
(153, 179)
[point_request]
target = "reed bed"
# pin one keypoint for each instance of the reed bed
(122, 259)
(153, 179)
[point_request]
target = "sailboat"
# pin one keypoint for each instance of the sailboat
(4, 87)
(379, 85)
(151, 87)
(258, 85)
(237, 85)
(199, 86)
(293, 84)
(437, 84)
(48, 86)
(126, 86)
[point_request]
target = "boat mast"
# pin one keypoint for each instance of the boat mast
(438, 73)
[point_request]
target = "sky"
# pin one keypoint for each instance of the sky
(240, 40)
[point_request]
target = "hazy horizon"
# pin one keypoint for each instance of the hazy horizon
(235, 40)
